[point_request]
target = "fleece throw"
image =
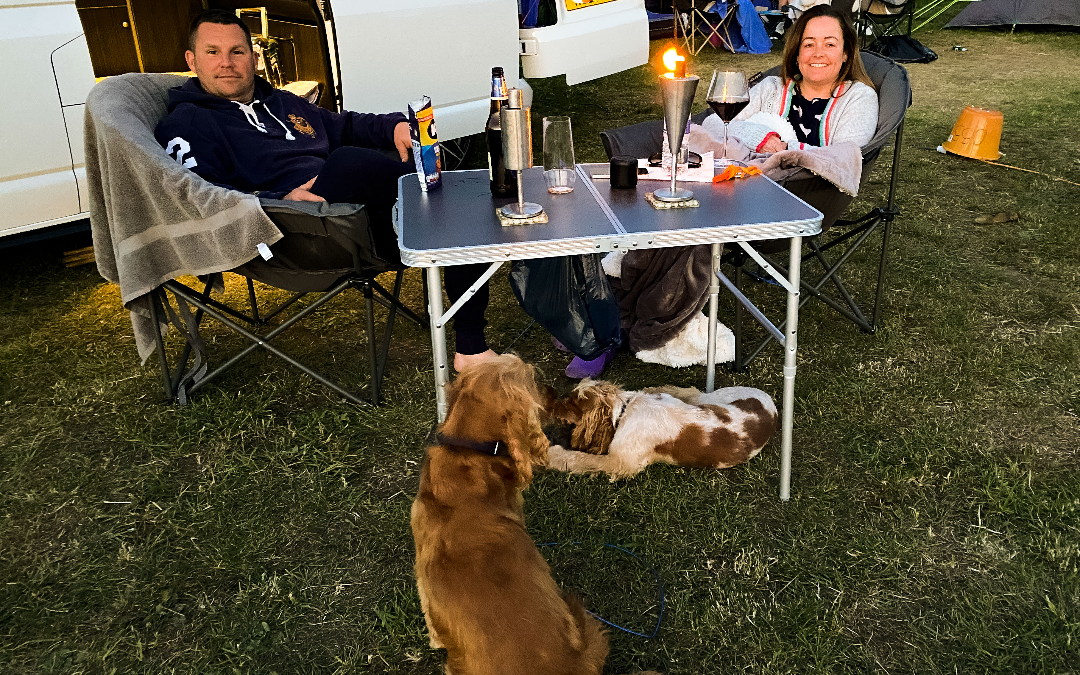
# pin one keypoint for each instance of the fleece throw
(660, 291)
(152, 219)
(840, 163)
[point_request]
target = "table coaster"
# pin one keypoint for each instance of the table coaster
(507, 221)
(658, 204)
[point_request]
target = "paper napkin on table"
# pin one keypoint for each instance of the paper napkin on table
(702, 174)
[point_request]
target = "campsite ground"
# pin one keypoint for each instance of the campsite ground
(933, 526)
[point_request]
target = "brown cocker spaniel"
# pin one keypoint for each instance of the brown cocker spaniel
(487, 594)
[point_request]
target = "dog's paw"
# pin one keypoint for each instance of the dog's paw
(559, 458)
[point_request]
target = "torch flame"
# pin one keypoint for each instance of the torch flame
(671, 56)
(675, 63)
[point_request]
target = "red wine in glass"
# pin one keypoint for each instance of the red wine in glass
(727, 110)
(728, 95)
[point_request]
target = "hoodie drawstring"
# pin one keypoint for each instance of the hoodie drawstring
(253, 118)
(288, 134)
(249, 114)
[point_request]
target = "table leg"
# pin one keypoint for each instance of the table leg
(714, 294)
(438, 338)
(787, 409)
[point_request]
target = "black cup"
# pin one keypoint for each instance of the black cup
(624, 172)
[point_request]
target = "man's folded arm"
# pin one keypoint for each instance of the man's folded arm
(365, 130)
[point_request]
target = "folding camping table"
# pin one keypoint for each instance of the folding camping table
(457, 224)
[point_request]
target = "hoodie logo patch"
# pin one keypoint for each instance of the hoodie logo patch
(301, 125)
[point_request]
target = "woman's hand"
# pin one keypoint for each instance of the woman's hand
(774, 144)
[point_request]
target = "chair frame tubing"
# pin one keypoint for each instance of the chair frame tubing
(848, 308)
(868, 20)
(173, 377)
(697, 16)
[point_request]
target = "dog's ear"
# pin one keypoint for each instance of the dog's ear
(549, 400)
(526, 440)
(528, 445)
(564, 409)
(595, 427)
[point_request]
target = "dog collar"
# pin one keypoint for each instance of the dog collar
(493, 448)
(618, 418)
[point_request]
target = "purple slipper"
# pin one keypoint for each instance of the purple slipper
(558, 345)
(579, 368)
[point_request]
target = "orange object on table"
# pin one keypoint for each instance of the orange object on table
(733, 171)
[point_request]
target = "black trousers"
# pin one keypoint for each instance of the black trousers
(369, 177)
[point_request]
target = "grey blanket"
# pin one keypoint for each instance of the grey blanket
(153, 220)
(660, 290)
(841, 163)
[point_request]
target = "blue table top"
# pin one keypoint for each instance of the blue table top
(457, 223)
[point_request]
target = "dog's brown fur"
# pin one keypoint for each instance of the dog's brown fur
(487, 594)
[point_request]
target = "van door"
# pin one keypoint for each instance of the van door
(393, 52)
(74, 78)
(37, 180)
(591, 39)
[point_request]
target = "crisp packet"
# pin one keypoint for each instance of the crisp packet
(425, 144)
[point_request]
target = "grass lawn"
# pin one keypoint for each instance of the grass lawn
(934, 525)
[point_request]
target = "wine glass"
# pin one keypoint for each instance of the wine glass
(727, 96)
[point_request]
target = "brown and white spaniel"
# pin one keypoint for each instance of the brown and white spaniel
(486, 592)
(620, 432)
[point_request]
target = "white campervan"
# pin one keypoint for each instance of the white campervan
(366, 55)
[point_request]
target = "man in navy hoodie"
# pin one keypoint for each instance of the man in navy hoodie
(235, 130)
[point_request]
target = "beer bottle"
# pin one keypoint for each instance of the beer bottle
(503, 183)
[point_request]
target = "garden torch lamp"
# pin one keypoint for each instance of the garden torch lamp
(678, 91)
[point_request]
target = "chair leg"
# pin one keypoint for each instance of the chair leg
(158, 312)
(252, 301)
(159, 346)
(881, 272)
(393, 301)
(262, 341)
(373, 355)
(830, 274)
(186, 354)
(389, 331)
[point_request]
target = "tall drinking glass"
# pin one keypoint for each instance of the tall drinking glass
(559, 155)
(727, 96)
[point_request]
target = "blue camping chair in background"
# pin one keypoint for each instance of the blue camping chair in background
(731, 24)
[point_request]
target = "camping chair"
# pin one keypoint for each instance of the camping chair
(706, 22)
(306, 247)
(840, 238)
(878, 18)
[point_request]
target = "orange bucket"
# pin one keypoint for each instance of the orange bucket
(976, 134)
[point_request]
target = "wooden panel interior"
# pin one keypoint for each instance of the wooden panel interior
(110, 38)
(161, 30)
(304, 55)
(299, 53)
